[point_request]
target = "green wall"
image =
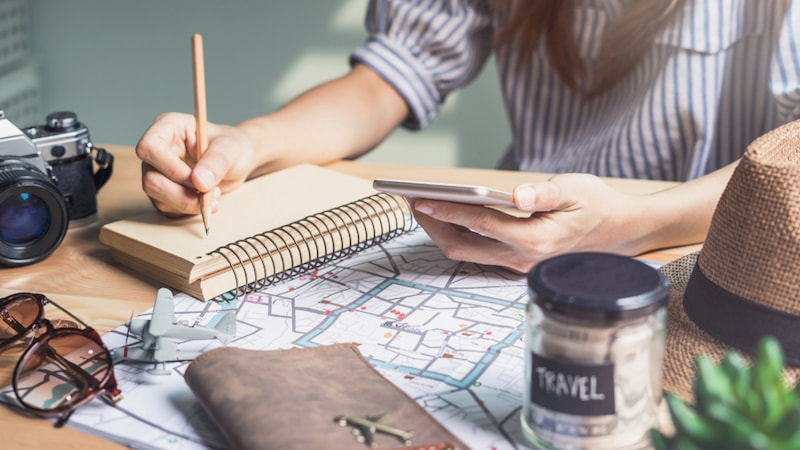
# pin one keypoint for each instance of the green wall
(120, 63)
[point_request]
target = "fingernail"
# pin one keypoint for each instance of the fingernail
(216, 193)
(526, 197)
(424, 208)
(204, 177)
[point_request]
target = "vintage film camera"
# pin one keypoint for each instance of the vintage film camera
(47, 182)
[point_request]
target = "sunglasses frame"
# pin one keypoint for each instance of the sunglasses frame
(106, 388)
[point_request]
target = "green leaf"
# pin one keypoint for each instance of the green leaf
(768, 382)
(792, 443)
(738, 429)
(768, 364)
(739, 406)
(753, 404)
(712, 384)
(681, 443)
(774, 407)
(738, 372)
(691, 425)
(788, 429)
(660, 442)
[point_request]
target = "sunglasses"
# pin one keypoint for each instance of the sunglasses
(62, 367)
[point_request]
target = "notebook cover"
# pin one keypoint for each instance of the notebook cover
(180, 246)
(272, 224)
(289, 399)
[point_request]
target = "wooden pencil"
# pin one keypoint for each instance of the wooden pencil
(201, 116)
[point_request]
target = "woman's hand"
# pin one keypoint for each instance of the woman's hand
(348, 116)
(171, 175)
(571, 212)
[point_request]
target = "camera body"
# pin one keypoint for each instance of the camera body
(64, 144)
(47, 182)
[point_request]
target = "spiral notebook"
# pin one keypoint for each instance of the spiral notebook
(273, 227)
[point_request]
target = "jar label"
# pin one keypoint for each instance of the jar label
(578, 389)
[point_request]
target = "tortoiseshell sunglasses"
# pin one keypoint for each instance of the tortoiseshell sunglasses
(63, 367)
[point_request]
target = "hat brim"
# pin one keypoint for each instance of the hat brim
(685, 340)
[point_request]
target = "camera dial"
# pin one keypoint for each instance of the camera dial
(62, 121)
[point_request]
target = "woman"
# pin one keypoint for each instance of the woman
(638, 88)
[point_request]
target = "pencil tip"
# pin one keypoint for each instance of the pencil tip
(207, 230)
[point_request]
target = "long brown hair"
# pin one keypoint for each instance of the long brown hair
(624, 44)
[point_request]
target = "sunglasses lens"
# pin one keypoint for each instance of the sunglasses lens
(18, 314)
(61, 371)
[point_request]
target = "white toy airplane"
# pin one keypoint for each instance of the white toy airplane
(161, 335)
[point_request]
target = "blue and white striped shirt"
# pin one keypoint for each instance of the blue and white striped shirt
(725, 72)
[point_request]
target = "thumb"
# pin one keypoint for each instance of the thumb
(203, 178)
(212, 167)
(539, 196)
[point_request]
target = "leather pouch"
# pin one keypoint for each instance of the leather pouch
(290, 399)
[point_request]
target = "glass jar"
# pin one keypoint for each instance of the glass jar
(595, 330)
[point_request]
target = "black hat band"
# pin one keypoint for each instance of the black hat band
(737, 321)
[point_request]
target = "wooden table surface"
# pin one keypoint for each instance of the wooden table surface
(81, 275)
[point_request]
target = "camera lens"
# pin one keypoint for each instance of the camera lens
(23, 218)
(33, 215)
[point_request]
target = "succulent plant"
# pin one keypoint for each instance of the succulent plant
(737, 405)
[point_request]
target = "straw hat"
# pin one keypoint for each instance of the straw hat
(745, 282)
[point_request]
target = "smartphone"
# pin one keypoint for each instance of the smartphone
(461, 193)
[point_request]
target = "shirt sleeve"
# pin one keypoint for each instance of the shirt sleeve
(785, 74)
(426, 49)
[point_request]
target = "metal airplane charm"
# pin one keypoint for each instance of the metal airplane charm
(364, 429)
(161, 335)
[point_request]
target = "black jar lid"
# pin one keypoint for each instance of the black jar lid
(597, 287)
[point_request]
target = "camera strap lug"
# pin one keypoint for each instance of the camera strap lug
(105, 165)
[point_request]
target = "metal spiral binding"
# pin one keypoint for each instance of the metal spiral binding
(350, 228)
